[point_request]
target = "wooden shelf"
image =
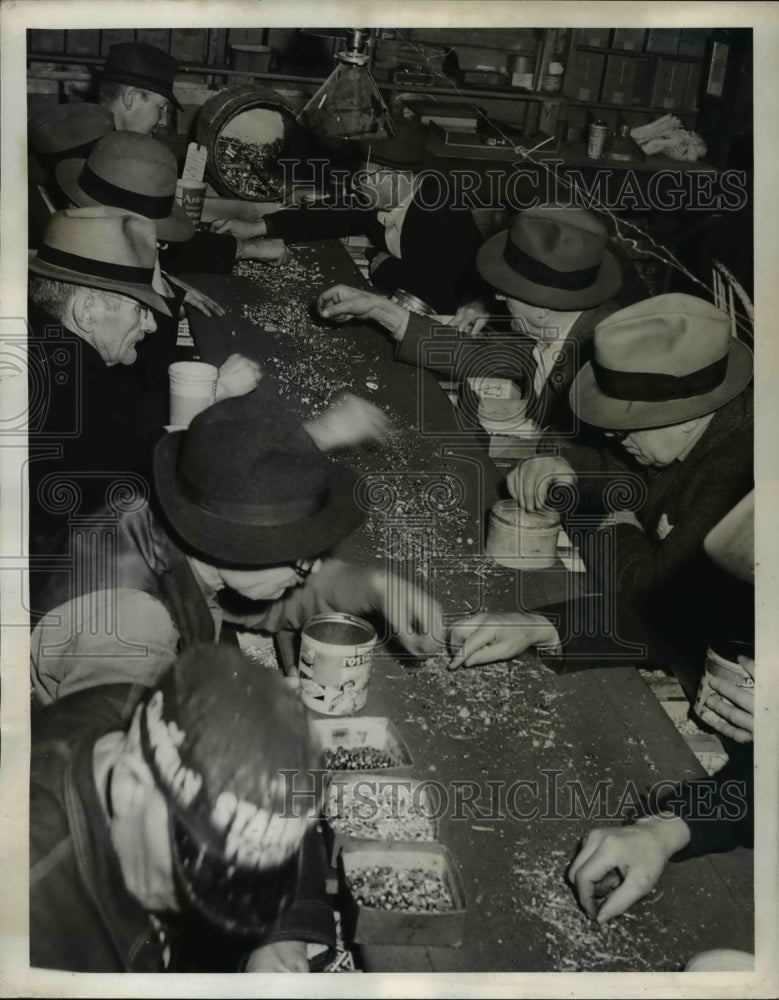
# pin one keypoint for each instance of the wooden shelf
(611, 51)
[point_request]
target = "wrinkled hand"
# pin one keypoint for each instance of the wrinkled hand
(279, 956)
(274, 253)
(343, 303)
(348, 421)
(530, 481)
(639, 852)
(471, 317)
(239, 228)
(414, 615)
(237, 376)
(487, 638)
(200, 301)
(734, 706)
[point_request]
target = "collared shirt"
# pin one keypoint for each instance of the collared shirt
(210, 584)
(392, 220)
(545, 354)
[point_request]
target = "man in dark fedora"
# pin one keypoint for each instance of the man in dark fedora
(136, 86)
(556, 275)
(172, 828)
(245, 517)
(425, 245)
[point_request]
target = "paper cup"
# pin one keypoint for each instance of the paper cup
(192, 390)
(722, 663)
(191, 195)
(336, 656)
(521, 539)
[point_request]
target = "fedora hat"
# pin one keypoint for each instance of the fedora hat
(68, 128)
(235, 843)
(660, 362)
(101, 248)
(143, 66)
(131, 171)
(553, 257)
(245, 486)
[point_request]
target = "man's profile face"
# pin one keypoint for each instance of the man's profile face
(659, 446)
(147, 110)
(263, 584)
(121, 324)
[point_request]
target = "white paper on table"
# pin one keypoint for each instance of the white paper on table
(568, 555)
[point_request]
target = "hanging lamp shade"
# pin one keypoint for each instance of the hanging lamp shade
(348, 105)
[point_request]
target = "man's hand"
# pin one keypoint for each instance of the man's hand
(237, 376)
(280, 956)
(274, 253)
(348, 421)
(471, 317)
(487, 638)
(734, 706)
(342, 303)
(414, 615)
(198, 300)
(238, 227)
(639, 852)
(530, 481)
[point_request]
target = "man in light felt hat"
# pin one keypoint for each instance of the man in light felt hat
(425, 245)
(555, 273)
(245, 517)
(92, 303)
(136, 86)
(163, 831)
(669, 387)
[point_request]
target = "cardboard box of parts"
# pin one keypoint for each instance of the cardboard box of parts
(619, 80)
(584, 83)
(670, 86)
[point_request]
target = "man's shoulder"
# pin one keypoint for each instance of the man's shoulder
(92, 711)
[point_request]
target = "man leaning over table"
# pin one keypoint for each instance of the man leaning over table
(557, 275)
(161, 834)
(136, 86)
(245, 517)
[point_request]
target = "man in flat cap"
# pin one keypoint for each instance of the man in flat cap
(171, 828)
(136, 86)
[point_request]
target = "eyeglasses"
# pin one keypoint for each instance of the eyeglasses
(304, 568)
(617, 435)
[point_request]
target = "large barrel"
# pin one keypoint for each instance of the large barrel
(249, 131)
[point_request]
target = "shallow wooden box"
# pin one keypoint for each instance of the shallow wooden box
(366, 731)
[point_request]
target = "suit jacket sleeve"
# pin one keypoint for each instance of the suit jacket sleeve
(211, 252)
(297, 225)
(310, 916)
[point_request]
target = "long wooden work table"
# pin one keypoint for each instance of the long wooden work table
(480, 731)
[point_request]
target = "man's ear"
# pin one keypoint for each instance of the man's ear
(129, 97)
(690, 425)
(83, 308)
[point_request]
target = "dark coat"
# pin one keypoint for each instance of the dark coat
(438, 244)
(512, 353)
(82, 918)
(210, 252)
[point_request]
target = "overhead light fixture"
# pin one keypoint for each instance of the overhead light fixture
(348, 105)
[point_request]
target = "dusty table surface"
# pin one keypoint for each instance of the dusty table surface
(427, 492)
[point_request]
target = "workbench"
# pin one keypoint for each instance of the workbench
(427, 492)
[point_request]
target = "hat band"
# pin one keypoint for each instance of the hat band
(256, 514)
(539, 273)
(95, 268)
(129, 77)
(152, 206)
(659, 387)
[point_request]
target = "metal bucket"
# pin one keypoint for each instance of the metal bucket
(336, 656)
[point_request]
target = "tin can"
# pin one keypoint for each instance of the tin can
(522, 539)
(722, 663)
(596, 139)
(336, 656)
(411, 302)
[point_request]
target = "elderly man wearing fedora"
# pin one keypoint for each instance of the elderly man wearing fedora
(555, 273)
(164, 835)
(136, 86)
(425, 245)
(245, 518)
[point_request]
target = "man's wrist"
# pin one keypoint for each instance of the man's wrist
(671, 831)
(392, 317)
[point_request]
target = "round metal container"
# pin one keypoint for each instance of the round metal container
(522, 539)
(596, 139)
(412, 303)
(336, 656)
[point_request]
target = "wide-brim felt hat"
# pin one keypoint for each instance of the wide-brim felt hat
(56, 130)
(144, 66)
(104, 248)
(553, 257)
(660, 362)
(245, 486)
(131, 171)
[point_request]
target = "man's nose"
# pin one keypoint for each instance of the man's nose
(148, 323)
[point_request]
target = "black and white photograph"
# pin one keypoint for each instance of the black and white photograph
(384, 522)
